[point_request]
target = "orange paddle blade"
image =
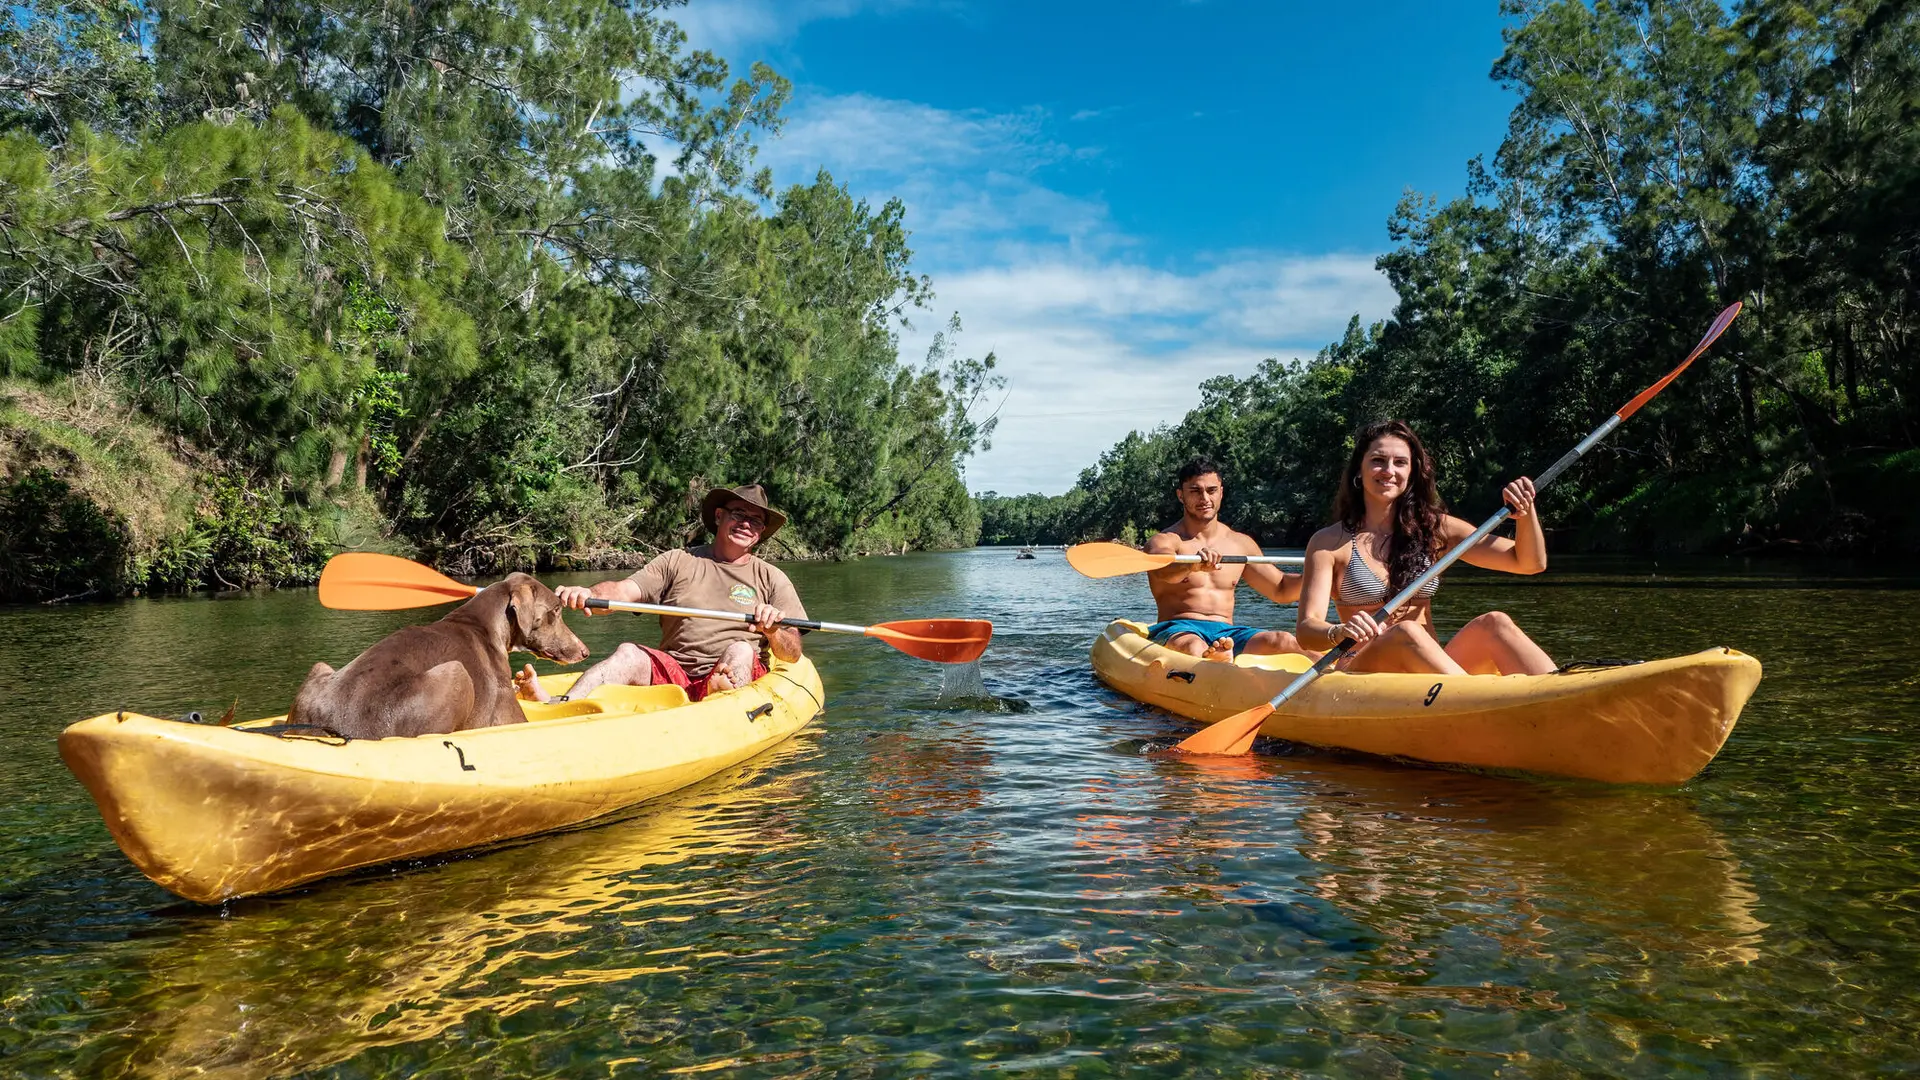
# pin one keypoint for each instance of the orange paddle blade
(1234, 735)
(1105, 560)
(369, 581)
(1719, 327)
(943, 641)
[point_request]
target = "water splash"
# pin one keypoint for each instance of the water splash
(963, 688)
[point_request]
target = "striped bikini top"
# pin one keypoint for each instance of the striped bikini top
(1361, 587)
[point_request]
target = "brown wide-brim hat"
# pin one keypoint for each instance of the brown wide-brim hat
(746, 493)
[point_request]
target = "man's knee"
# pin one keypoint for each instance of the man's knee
(635, 663)
(1191, 644)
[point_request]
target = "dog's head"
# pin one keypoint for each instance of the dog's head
(535, 623)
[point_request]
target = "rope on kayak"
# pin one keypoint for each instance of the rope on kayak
(1600, 664)
(819, 706)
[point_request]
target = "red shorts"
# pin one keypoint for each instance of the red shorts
(668, 670)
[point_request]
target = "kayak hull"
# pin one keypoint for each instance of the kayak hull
(1659, 722)
(212, 813)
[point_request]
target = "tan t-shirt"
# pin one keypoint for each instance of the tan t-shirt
(692, 578)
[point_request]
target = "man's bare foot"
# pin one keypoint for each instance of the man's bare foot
(1221, 650)
(526, 685)
(721, 680)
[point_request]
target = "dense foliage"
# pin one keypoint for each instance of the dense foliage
(1664, 160)
(494, 282)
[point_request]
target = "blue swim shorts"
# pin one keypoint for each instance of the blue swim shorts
(1162, 632)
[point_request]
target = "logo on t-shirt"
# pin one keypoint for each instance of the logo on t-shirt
(742, 595)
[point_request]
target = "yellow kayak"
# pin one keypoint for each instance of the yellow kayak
(1654, 723)
(212, 813)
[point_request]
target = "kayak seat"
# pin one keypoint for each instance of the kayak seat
(557, 710)
(635, 699)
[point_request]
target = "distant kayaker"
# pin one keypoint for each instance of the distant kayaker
(1391, 527)
(704, 655)
(1195, 600)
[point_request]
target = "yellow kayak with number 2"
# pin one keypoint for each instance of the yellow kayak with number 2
(212, 813)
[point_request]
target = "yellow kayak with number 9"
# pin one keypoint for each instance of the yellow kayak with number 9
(1658, 722)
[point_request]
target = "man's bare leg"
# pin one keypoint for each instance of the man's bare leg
(1277, 641)
(734, 669)
(1194, 645)
(628, 666)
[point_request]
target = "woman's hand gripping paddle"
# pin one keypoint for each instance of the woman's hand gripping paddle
(369, 581)
(1234, 735)
(1105, 560)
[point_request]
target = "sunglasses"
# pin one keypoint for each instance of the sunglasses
(746, 517)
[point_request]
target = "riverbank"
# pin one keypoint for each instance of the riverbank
(99, 501)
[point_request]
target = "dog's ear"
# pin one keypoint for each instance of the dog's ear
(523, 602)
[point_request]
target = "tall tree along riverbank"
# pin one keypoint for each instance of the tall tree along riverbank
(1664, 160)
(493, 283)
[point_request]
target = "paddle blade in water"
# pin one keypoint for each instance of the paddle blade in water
(1105, 560)
(1234, 735)
(369, 581)
(943, 641)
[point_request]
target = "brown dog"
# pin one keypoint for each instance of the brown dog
(446, 676)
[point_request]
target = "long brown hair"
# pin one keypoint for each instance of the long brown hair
(1416, 513)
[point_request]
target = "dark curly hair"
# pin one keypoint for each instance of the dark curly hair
(1416, 514)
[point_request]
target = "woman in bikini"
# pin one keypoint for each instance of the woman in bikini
(1392, 526)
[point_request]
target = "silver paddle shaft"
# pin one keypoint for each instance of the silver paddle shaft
(1439, 567)
(1283, 560)
(730, 616)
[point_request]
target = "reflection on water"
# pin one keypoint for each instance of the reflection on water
(961, 869)
(278, 985)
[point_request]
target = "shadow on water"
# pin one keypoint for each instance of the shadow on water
(278, 985)
(1402, 857)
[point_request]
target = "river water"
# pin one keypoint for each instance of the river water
(929, 885)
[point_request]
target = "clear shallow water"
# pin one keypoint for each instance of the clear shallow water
(938, 879)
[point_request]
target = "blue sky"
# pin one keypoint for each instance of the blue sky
(1123, 199)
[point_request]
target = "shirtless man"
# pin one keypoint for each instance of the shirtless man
(1196, 599)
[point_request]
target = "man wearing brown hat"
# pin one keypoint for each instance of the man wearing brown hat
(704, 655)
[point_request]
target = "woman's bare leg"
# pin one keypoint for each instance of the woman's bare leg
(1405, 646)
(1494, 644)
(1268, 642)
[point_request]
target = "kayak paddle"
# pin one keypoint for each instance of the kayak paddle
(1105, 560)
(1234, 735)
(369, 581)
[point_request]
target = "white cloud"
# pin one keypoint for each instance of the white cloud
(728, 26)
(1094, 349)
(1095, 338)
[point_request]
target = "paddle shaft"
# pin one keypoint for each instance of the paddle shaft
(1553, 473)
(1283, 560)
(731, 616)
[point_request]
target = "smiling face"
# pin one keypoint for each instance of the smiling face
(741, 525)
(1387, 468)
(1200, 497)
